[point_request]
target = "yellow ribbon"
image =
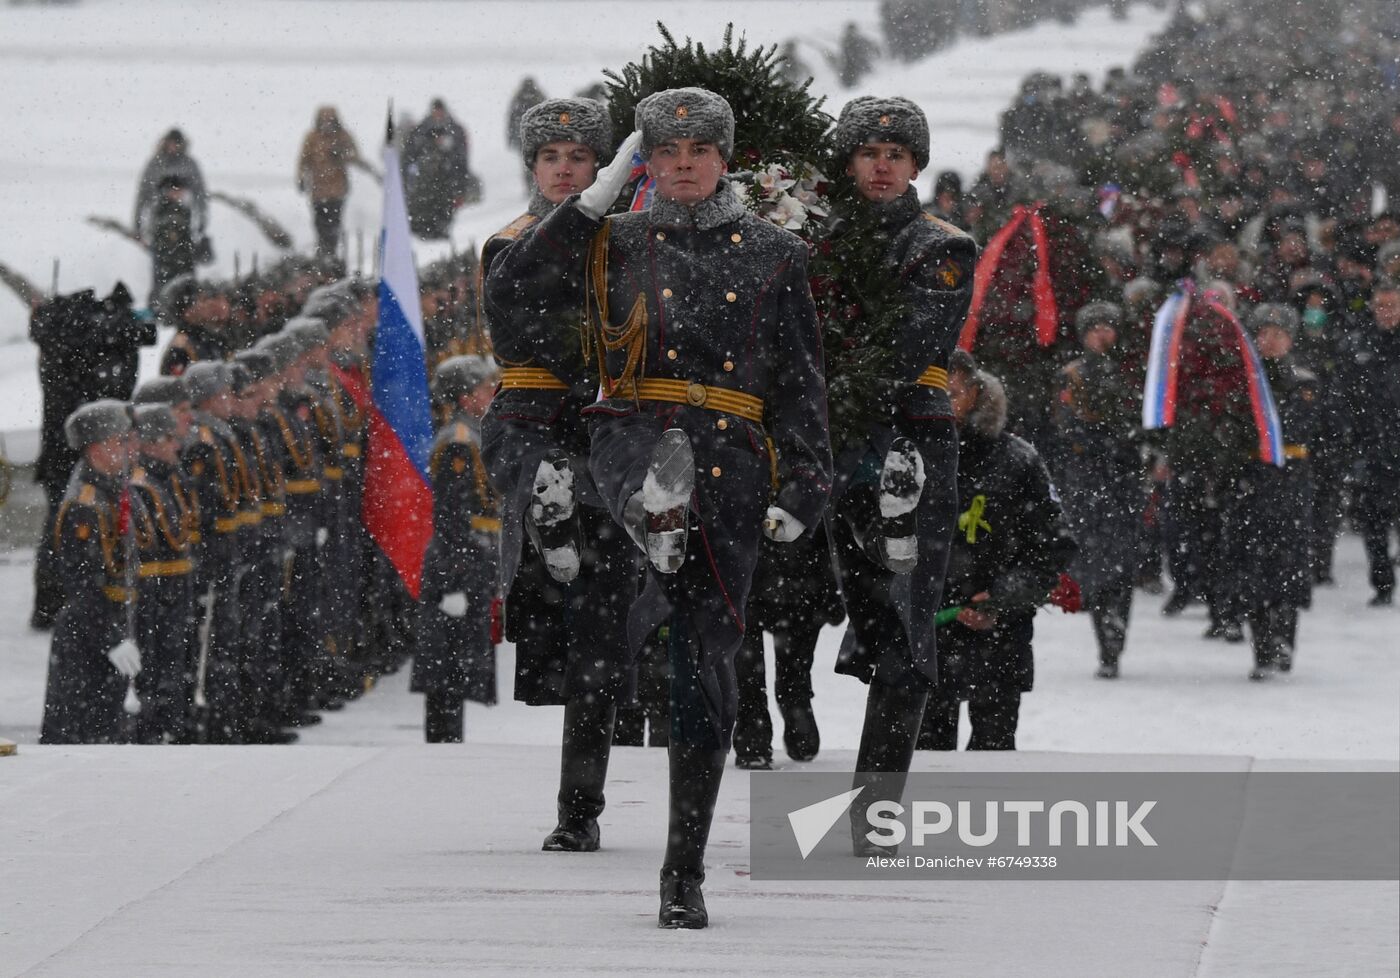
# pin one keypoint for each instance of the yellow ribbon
(971, 521)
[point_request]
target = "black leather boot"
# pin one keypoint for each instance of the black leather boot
(893, 716)
(753, 730)
(695, 778)
(444, 718)
(583, 770)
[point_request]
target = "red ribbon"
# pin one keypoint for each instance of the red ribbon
(1047, 313)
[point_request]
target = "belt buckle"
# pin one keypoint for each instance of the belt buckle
(696, 395)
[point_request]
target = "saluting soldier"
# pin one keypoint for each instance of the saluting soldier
(567, 593)
(211, 460)
(165, 588)
(454, 659)
(92, 658)
(708, 346)
(896, 494)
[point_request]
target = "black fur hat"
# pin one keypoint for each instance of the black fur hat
(566, 120)
(870, 119)
(685, 113)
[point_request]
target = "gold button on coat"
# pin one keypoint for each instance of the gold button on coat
(729, 365)
(666, 293)
(722, 423)
(716, 472)
(660, 236)
(730, 296)
(671, 354)
(736, 237)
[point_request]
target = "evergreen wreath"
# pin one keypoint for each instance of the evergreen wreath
(780, 129)
(860, 312)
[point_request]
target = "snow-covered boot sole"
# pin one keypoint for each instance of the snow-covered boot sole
(901, 486)
(552, 509)
(666, 492)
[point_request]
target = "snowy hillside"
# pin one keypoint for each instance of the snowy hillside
(243, 79)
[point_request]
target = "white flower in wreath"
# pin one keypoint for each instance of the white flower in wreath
(789, 212)
(773, 181)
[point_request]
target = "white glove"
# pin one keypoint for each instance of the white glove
(454, 604)
(782, 526)
(596, 199)
(322, 535)
(125, 658)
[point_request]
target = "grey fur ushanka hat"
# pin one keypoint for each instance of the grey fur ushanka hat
(97, 421)
(566, 120)
(161, 390)
(154, 422)
(207, 379)
(1095, 313)
(1274, 314)
(685, 113)
(871, 119)
(458, 376)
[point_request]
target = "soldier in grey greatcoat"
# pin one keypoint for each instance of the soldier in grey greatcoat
(567, 592)
(895, 501)
(706, 337)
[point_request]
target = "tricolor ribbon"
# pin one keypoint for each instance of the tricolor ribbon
(646, 185)
(1261, 397)
(1164, 358)
(1047, 313)
(1164, 362)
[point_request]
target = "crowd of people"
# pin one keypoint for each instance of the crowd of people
(1246, 156)
(648, 452)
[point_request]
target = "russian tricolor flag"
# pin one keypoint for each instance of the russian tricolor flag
(398, 498)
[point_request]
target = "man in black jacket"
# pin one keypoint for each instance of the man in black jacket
(1008, 551)
(1371, 370)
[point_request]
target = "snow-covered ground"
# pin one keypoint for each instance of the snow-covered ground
(90, 88)
(361, 851)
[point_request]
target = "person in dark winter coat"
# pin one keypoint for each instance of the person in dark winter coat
(93, 657)
(567, 591)
(88, 350)
(526, 97)
(1098, 467)
(437, 177)
(794, 595)
(169, 234)
(172, 160)
(1010, 547)
(894, 502)
(1267, 532)
(708, 345)
(1371, 371)
(199, 311)
(454, 660)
